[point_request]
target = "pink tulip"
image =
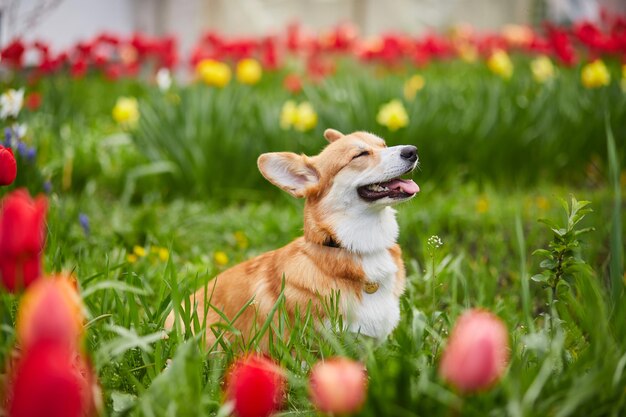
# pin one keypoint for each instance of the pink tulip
(256, 385)
(338, 386)
(477, 352)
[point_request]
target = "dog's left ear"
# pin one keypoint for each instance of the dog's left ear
(288, 171)
(332, 135)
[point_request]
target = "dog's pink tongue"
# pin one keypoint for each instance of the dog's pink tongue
(406, 186)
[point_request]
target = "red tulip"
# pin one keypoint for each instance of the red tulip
(50, 310)
(79, 68)
(33, 101)
(51, 380)
(338, 386)
(292, 83)
(477, 351)
(256, 385)
(13, 53)
(22, 231)
(8, 166)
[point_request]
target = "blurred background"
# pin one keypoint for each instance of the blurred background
(65, 22)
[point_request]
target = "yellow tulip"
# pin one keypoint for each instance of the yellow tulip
(500, 64)
(393, 115)
(595, 75)
(214, 73)
(412, 86)
(126, 111)
(542, 69)
(306, 117)
(249, 71)
(301, 116)
(288, 114)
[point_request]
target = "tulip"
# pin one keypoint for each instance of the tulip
(256, 386)
(412, 86)
(338, 386)
(542, 69)
(288, 114)
(595, 75)
(8, 166)
(393, 115)
(213, 72)
(476, 356)
(50, 310)
(306, 117)
(292, 83)
(126, 111)
(249, 71)
(22, 231)
(51, 380)
(500, 64)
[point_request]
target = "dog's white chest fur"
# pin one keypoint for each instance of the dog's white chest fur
(377, 314)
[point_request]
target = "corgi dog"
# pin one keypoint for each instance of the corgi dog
(349, 243)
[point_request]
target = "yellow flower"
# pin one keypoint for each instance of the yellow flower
(131, 258)
(126, 111)
(288, 114)
(595, 75)
(162, 253)
(220, 258)
(482, 205)
(500, 64)
(393, 115)
(139, 251)
(467, 52)
(542, 69)
(542, 203)
(249, 71)
(306, 117)
(213, 72)
(241, 239)
(301, 116)
(412, 86)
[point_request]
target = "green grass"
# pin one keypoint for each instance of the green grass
(572, 366)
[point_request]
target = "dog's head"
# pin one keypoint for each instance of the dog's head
(355, 169)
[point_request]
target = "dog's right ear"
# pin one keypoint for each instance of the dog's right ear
(332, 135)
(288, 171)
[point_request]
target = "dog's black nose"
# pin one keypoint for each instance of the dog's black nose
(409, 152)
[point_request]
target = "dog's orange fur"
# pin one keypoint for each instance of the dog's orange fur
(311, 270)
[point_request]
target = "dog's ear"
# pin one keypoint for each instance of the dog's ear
(288, 171)
(332, 135)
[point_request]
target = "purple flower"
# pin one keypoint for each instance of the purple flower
(7, 137)
(84, 223)
(31, 154)
(47, 187)
(22, 149)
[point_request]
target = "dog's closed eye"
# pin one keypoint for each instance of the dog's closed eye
(363, 153)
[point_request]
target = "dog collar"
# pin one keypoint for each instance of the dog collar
(371, 287)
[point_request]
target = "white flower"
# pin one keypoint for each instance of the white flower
(164, 79)
(19, 129)
(11, 103)
(435, 242)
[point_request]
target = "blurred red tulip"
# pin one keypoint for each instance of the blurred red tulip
(292, 83)
(13, 53)
(477, 352)
(51, 380)
(22, 233)
(50, 310)
(8, 166)
(79, 68)
(33, 101)
(338, 386)
(256, 385)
